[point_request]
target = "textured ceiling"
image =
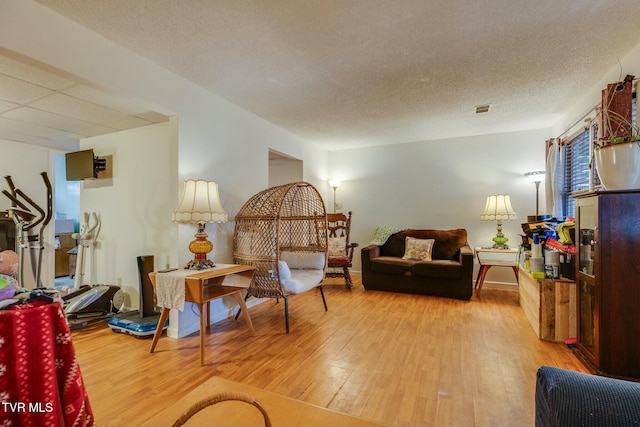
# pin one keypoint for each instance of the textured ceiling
(365, 72)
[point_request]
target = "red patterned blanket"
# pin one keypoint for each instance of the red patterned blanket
(40, 379)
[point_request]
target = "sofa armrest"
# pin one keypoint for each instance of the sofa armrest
(569, 398)
(466, 256)
(369, 252)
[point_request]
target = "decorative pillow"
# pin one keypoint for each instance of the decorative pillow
(418, 249)
(337, 246)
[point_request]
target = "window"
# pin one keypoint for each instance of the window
(573, 172)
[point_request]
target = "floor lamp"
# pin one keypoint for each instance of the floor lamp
(536, 177)
(335, 184)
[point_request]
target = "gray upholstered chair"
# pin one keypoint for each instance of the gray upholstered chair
(568, 398)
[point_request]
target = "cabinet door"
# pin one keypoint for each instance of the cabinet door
(588, 296)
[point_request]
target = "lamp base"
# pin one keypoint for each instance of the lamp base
(200, 247)
(199, 264)
(500, 242)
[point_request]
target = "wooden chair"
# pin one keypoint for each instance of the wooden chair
(340, 248)
(222, 397)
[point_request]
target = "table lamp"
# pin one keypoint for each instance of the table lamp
(498, 208)
(199, 203)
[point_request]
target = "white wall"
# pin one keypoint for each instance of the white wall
(440, 184)
(133, 205)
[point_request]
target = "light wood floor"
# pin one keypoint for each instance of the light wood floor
(402, 360)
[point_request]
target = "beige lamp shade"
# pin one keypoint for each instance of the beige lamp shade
(498, 207)
(199, 202)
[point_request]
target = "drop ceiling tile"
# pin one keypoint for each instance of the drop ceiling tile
(130, 122)
(153, 117)
(62, 135)
(27, 128)
(15, 90)
(45, 118)
(107, 99)
(32, 74)
(18, 137)
(79, 109)
(6, 105)
(95, 130)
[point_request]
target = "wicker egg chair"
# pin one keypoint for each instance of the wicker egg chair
(282, 231)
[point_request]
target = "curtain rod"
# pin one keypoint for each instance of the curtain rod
(594, 108)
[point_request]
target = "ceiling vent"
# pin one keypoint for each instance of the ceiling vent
(483, 108)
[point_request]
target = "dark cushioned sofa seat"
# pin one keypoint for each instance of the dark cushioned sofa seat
(567, 398)
(448, 274)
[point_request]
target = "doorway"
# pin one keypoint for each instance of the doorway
(66, 205)
(283, 169)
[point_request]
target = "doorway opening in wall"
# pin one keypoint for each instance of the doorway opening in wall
(283, 169)
(66, 205)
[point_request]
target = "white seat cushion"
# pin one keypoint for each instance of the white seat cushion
(311, 260)
(302, 280)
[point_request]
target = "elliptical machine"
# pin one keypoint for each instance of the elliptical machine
(27, 215)
(89, 303)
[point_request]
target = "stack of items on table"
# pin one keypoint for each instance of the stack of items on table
(548, 249)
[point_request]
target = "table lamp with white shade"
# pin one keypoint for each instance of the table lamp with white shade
(498, 208)
(199, 203)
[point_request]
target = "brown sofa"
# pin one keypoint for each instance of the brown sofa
(448, 274)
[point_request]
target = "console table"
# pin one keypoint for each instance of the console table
(204, 286)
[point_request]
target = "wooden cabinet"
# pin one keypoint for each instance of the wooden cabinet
(64, 243)
(549, 305)
(608, 282)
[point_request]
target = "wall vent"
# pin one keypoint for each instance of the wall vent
(483, 108)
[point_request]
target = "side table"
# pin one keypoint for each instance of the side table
(489, 257)
(204, 286)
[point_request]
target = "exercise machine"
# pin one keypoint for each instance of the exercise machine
(28, 216)
(87, 240)
(90, 302)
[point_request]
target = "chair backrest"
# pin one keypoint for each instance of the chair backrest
(339, 230)
(222, 397)
(145, 266)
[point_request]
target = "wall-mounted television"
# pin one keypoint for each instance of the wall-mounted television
(81, 165)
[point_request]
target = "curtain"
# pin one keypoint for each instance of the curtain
(552, 187)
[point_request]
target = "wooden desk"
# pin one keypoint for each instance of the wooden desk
(489, 257)
(282, 410)
(203, 287)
